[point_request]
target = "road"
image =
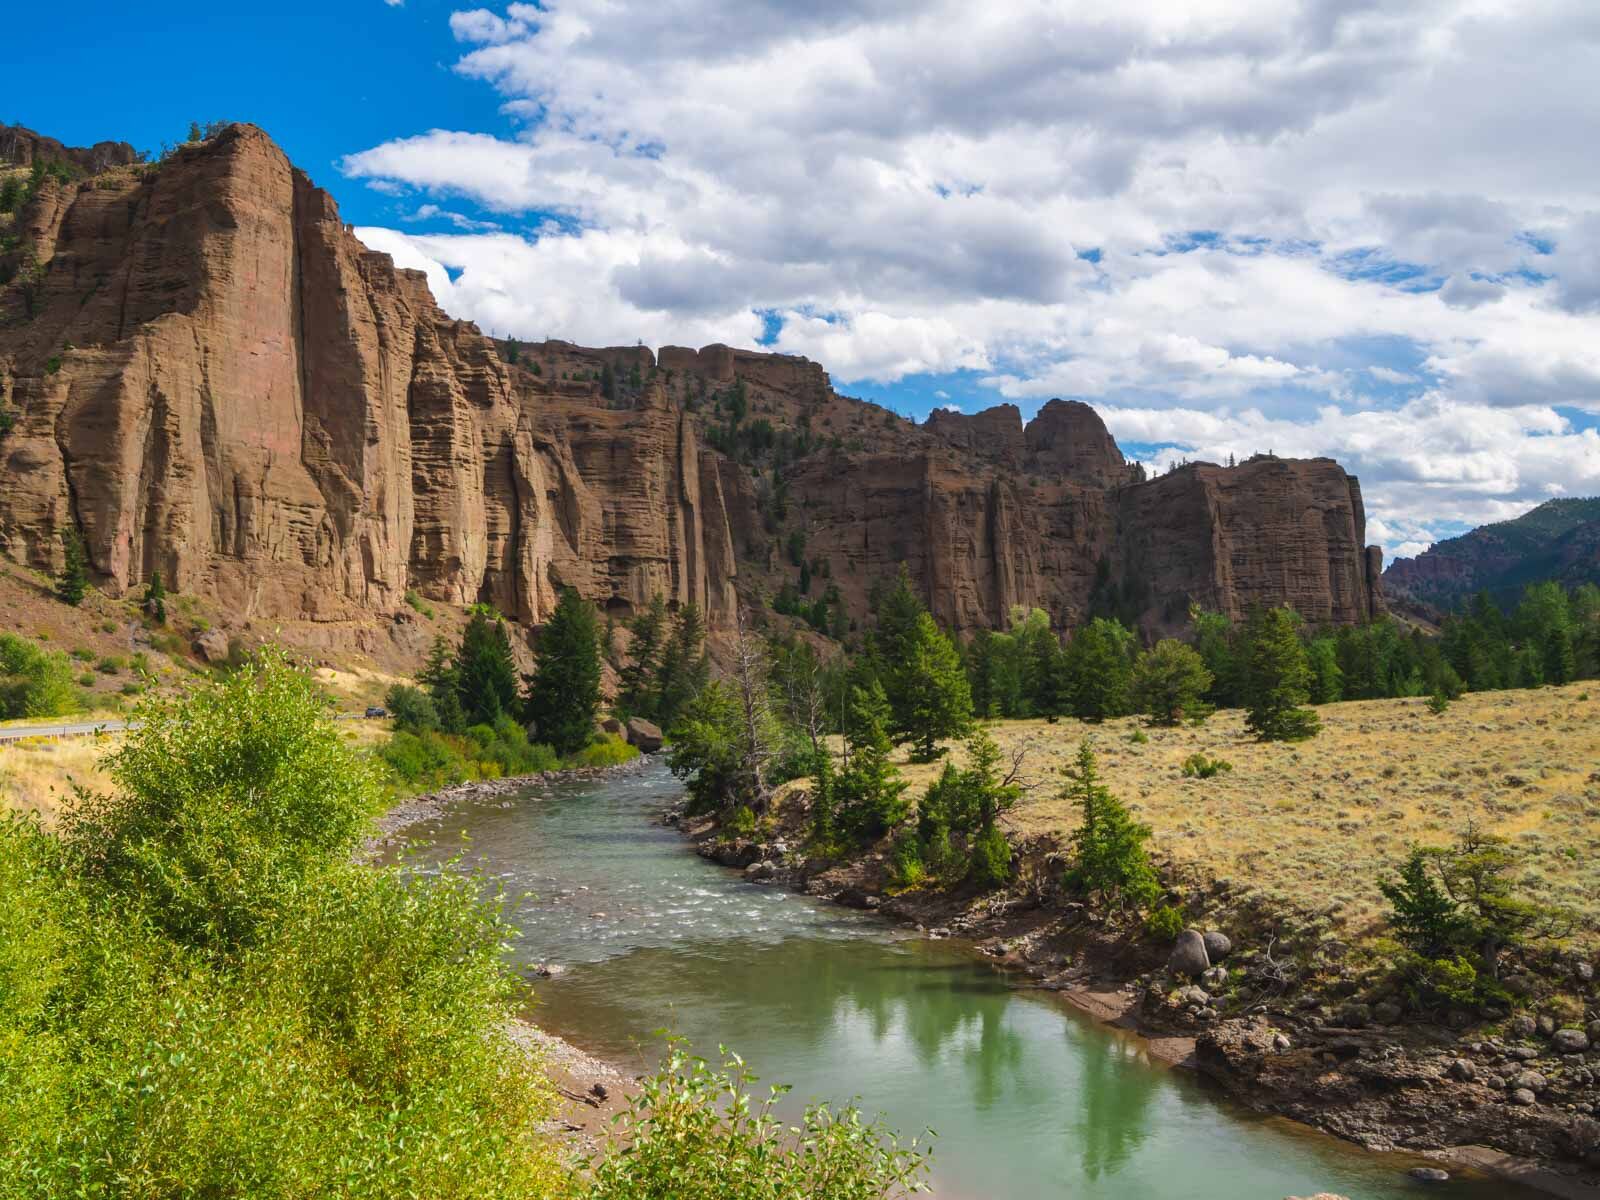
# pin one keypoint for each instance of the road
(16, 733)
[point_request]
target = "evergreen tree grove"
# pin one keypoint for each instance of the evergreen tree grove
(564, 690)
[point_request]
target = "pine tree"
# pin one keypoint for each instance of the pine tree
(564, 690)
(1279, 679)
(608, 383)
(73, 582)
(442, 681)
(1098, 669)
(636, 695)
(1111, 860)
(683, 670)
(869, 793)
(155, 599)
(937, 699)
(486, 672)
(1168, 682)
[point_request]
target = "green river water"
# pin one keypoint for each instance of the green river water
(1028, 1097)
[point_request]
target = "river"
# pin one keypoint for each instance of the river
(1028, 1097)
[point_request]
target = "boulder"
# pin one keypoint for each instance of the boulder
(1521, 1097)
(1386, 1012)
(1355, 1016)
(212, 646)
(644, 734)
(1218, 945)
(1214, 978)
(1463, 1070)
(1521, 1025)
(1194, 995)
(1531, 1080)
(1569, 1041)
(613, 726)
(1429, 1175)
(1189, 955)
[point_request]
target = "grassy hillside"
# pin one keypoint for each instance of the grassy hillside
(1314, 825)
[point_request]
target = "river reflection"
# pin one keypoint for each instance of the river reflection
(1029, 1099)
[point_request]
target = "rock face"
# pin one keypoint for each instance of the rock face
(211, 377)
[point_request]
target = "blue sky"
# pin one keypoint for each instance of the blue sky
(1312, 226)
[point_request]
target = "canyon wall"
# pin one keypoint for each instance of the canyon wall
(210, 377)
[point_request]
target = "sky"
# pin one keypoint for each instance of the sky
(1368, 229)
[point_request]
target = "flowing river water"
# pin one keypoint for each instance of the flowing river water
(1029, 1098)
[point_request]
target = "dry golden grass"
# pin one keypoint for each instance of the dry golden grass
(38, 774)
(1317, 823)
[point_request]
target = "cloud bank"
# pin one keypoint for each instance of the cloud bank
(1350, 228)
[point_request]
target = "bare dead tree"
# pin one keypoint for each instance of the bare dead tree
(750, 670)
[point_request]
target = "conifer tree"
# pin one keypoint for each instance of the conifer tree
(155, 599)
(1169, 680)
(442, 681)
(1111, 860)
(936, 697)
(683, 669)
(869, 791)
(73, 582)
(1279, 679)
(486, 672)
(637, 695)
(1098, 668)
(564, 690)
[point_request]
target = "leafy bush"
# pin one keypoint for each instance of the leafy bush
(1164, 922)
(348, 1039)
(695, 1132)
(34, 682)
(416, 603)
(227, 801)
(741, 822)
(412, 708)
(613, 751)
(991, 858)
(1198, 766)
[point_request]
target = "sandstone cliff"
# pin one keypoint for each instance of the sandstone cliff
(211, 377)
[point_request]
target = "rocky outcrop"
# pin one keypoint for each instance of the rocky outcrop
(23, 147)
(211, 377)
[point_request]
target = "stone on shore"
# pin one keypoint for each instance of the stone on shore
(1189, 955)
(644, 734)
(1218, 945)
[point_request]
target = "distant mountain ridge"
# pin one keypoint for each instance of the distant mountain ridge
(1558, 540)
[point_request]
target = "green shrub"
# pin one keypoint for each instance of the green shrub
(111, 664)
(34, 682)
(1438, 703)
(906, 868)
(86, 680)
(416, 602)
(226, 801)
(1139, 737)
(354, 1044)
(1164, 922)
(741, 822)
(1198, 766)
(695, 1132)
(83, 654)
(412, 708)
(991, 858)
(612, 751)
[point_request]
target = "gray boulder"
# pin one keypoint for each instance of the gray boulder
(1463, 1070)
(1189, 955)
(1521, 1025)
(1218, 945)
(1355, 1016)
(644, 734)
(1430, 1175)
(1569, 1041)
(1531, 1080)
(1214, 978)
(1385, 1012)
(1520, 1096)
